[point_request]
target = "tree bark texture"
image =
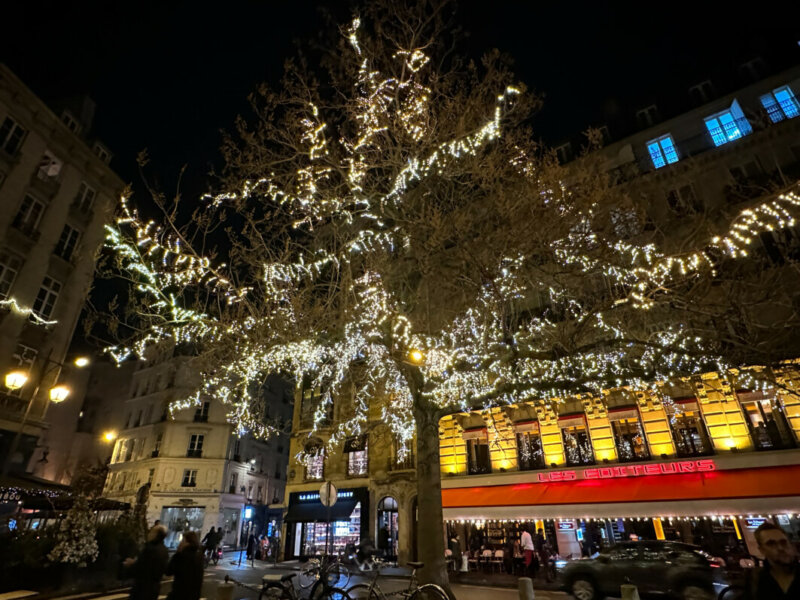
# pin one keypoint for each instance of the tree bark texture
(430, 520)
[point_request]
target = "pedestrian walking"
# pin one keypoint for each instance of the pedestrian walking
(148, 568)
(187, 568)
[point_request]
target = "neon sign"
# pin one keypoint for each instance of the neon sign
(669, 468)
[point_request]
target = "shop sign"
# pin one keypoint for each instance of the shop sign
(668, 468)
(566, 526)
(312, 496)
(754, 523)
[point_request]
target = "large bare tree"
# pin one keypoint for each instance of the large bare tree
(387, 230)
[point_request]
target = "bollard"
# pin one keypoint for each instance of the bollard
(225, 591)
(629, 592)
(525, 588)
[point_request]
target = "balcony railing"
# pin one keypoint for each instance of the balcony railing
(201, 418)
(406, 464)
(191, 453)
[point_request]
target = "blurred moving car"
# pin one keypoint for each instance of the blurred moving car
(656, 568)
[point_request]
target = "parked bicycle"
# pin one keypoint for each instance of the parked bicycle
(372, 591)
(279, 586)
(324, 572)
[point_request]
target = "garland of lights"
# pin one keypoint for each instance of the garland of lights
(473, 361)
(14, 306)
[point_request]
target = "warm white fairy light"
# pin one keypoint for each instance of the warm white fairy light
(16, 307)
(246, 330)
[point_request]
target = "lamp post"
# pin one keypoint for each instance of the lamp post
(17, 379)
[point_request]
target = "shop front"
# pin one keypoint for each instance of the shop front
(180, 519)
(713, 502)
(313, 529)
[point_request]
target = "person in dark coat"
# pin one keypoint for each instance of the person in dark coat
(384, 538)
(148, 568)
(187, 568)
(251, 546)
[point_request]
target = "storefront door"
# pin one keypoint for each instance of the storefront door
(387, 527)
(180, 519)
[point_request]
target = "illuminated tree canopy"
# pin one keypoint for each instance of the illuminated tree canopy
(393, 230)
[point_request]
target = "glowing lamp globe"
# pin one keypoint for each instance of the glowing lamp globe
(16, 379)
(59, 393)
(110, 436)
(81, 361)
(416, 356)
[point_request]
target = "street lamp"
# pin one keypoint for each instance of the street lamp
(16, 379)
(59, 393)
(110, 436)
(416, 356)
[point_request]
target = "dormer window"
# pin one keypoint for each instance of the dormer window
(662, 151)
(71, 122)
(647, 117)
(780, 104)
(728, 125)
(102, 152)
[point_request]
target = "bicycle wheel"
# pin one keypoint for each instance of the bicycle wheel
(338, 575)
(429, 591)
(332, 593)
(363, 591)
(274, 591)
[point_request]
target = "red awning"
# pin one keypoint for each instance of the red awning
(741, 483)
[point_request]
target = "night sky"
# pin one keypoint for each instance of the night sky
(167, 75)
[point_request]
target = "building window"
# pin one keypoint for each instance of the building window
(70, 121)
(67, 243)
(85, 198)
(201, 412)
(479, 459)
(29, 214)
(577, 445)
(683, 201)
(728, 125)
(647, 117)
(11, 135)
(629, 436)
(780, 104)
(662, 151)
(688, 430)
(529, 450)
(357, 458)
(766, 421)
(234, 481)
(102, 153)
(315, 464)
(195, 449)
(129, 448)
(189, 478)
(46, 298)
(10, 264)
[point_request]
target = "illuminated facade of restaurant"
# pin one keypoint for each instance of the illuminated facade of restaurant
(704, 462)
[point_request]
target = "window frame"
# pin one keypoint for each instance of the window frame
(13, 128)
(85, 197)
(663, 154)
(7, 259)
(726, 135)
(189, 478)
(776, 108)
(49, 292)
(66, 247)
(195, 447)
(22, 218)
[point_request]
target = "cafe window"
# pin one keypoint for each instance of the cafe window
(529, 446)
(478, 457)
(628, 435)
(688, 429)
(766, 421)
(316, 407)
(577, 443)
(356, 450)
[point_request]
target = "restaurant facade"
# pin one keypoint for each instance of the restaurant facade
(704, 462)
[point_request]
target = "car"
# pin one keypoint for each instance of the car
(656, 568)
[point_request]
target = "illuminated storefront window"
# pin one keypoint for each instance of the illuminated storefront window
(766, 421)
(577, 443)
(688, 430)
(628, 435)
(529, 446)
(336, 535)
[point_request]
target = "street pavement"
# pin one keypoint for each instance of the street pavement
(251, 577)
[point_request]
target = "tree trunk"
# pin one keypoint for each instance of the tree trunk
(430, 521)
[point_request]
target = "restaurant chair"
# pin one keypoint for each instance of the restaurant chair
(472, 561)
(497, 559)
(486, 558)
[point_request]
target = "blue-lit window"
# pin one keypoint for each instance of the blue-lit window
(728, 125)
(780, 104)
(662, 151)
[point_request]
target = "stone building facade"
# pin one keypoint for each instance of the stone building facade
(198, 473)
(56, 192)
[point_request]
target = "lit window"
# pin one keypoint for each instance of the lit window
(662, 151)
(67, 243)
(46, 298)
(189, 478)
(10, 265)
(728, 125)
(357, 458)
(315, 464)
(780, 104)
(11, 134)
